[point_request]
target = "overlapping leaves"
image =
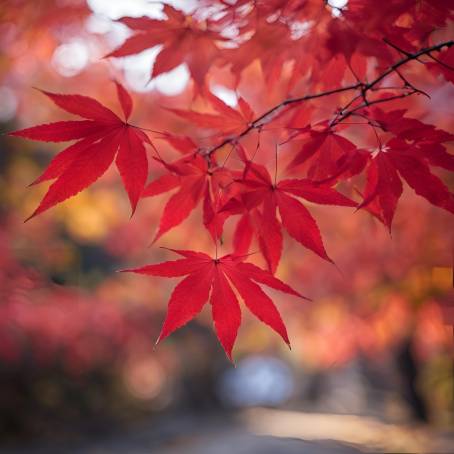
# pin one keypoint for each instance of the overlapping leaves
(260, 199)
(304, 41)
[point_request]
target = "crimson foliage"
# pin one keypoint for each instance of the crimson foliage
(360, 57)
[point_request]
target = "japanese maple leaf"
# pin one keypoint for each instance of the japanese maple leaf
(227, 120)
(262, 46)
(329, 156)
(427, 140)
(447, 59)
(260, 190)
(409, 129)
(266, 228)
(102, 137)
(398, 160)
(218, 276)
(424, 15)
(345, 40)
(183, 144)
(184, 39)
(195, 181)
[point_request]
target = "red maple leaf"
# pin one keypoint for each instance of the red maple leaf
(102, 137)
(447, 59)
(409, 129)
(184, 39)
(261, 191)
(205, 274)
(196, 180)
(261, 46)
(329, 156)
(227, 120)
(384, 186)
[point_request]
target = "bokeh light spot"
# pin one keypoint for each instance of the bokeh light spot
(71, 58)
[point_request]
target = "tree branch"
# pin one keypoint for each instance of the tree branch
(370, 103)
(262, 119)
(265, 118)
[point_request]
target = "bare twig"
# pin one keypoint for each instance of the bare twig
(402, 51)
(442, 63)
(410, 57)
(370, 103)
(408, 84)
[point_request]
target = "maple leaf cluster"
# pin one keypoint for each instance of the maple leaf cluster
(354, 57)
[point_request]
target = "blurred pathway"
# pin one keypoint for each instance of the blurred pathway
(259, 431)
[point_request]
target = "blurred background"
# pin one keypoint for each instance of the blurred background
(371, 365)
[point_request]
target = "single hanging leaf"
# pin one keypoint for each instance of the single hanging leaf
(101, 135)
(261, 193)
(205, 274)
(183, 39)
(403, 160)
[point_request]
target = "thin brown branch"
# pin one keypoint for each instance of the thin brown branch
(410, 57)
(402, 51)
(442, 63)
(261, 120)
(399, 49)
(266, 117)
(370, 103)
(408, 84)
